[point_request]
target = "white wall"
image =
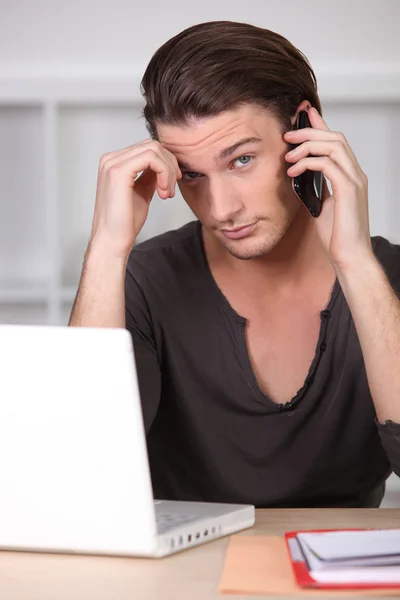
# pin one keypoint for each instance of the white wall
(125, 33)
(353, 45)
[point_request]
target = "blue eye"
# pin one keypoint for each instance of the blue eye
(244, 160)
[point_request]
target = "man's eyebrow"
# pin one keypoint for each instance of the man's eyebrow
(184, 166)
(227, 151)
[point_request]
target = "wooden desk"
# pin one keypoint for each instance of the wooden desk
(191, 575)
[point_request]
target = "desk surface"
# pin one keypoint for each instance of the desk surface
(190, 575)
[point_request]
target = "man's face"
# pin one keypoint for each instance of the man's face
(234, 178)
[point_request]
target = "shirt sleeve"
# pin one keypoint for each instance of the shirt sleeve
(390, 437)
(389, 256)
(139, 324)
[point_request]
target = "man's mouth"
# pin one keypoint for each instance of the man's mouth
(239, 232)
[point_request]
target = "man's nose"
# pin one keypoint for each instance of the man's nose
(224, 203)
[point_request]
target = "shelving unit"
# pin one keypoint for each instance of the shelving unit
(53, 133)
(55, 126)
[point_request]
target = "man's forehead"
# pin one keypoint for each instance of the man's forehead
(214, 132)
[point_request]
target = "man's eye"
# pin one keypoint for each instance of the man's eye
(244, 160)
(190, 175)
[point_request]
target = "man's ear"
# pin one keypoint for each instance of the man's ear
(304, 105)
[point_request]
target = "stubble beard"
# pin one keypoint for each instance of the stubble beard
(262, 245)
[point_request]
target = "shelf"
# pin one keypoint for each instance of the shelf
(65, 311)
(24, 314)
(23, 252)
(23, 293)
(68, 293)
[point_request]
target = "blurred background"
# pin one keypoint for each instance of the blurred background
(69, 92)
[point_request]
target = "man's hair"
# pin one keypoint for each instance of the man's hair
(220, 65)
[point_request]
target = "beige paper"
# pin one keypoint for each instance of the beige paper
(260, 565)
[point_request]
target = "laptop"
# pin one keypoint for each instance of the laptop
(74, 472)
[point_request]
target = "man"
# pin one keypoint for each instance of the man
(267, 341)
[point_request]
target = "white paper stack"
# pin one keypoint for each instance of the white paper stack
(343, 557)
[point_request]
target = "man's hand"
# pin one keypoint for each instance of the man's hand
(343, 223)
(344, 229)
(123, 198)
(122, 205)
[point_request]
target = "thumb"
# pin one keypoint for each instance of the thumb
(145, 184)
(325, 190)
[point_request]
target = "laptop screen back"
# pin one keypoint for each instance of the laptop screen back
(73, 470)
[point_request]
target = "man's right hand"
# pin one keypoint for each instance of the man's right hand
(122, 205)
(123, 198)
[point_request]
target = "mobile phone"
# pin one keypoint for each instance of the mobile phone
(309, 185)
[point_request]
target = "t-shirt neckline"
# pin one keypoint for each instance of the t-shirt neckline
(220, 296)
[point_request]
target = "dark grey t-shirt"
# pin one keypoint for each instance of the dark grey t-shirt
(212, 434)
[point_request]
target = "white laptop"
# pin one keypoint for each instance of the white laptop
(74, 473)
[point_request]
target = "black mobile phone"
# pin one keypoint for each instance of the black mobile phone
(309, 185)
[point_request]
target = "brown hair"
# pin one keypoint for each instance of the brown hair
(220, 65)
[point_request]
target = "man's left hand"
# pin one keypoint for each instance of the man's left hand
(343, 223)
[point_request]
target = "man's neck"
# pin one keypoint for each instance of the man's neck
(299, 257)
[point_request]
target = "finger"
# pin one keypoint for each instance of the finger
(140, 149)
(149, 142)
(172, 158)
(316, 119)
(174, 170)
(169, 157)
(122, 151)
(115, 157)
(330, 169)
(325, 190)
(173, 162)
(299, 136)
(129, 168)
(332, 148)
(146, 184)
(143, 146)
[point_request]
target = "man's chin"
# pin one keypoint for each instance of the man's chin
(248, 249)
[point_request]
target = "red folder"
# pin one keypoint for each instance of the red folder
(301, 572)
